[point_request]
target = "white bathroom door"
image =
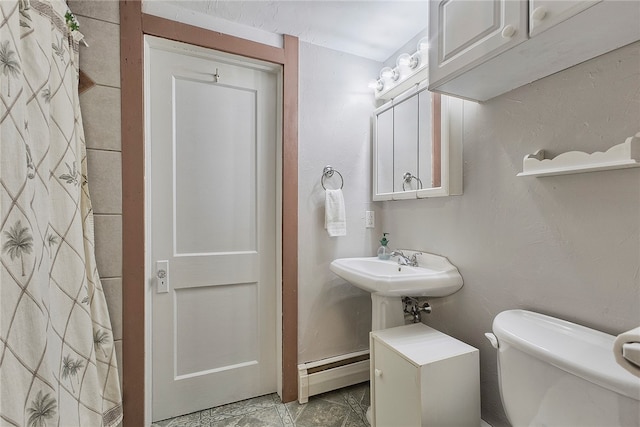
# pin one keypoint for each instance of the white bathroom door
(211, 152)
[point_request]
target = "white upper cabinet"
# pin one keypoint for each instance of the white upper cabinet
(484, 48)
(471, 31)
(544, 14)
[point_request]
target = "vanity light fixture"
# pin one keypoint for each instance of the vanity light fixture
(408, 61)
(423, 45)
(391, 74)
(409, 70)
(376, 85)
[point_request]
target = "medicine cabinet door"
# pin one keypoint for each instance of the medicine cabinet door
(383, 178)
(405, 145)
(429, 140)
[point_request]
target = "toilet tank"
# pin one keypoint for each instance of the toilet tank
(557, 373)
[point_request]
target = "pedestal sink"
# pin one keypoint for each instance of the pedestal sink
(388, 282)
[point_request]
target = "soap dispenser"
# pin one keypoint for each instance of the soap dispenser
(383, 251)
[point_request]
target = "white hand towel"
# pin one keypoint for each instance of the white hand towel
(335, 220)
(631, 362)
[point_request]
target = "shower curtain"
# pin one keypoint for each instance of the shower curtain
(57, 358)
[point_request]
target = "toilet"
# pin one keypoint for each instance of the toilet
(557, 373)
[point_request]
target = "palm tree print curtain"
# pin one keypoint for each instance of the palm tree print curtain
(57, 358)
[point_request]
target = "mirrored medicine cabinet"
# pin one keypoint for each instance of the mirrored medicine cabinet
(417, 146)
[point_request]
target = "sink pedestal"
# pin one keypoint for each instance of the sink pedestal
(386, 312)
(388, 282)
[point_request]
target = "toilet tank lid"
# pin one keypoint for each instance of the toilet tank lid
(576, 349)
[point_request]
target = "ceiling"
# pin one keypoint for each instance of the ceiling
(373, 29)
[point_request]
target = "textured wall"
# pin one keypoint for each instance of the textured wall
(100, 105)
(567, 246)
(334, 129)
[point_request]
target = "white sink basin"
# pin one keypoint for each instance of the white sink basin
(434, 277)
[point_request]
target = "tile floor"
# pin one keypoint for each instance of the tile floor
(340, 408)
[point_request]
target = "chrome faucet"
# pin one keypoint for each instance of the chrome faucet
(404, 260)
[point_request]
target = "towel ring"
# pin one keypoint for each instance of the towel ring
(407, 177)
(327, 172)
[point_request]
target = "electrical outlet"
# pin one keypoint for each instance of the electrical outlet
(369, 219)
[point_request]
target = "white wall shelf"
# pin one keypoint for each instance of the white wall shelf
(621, 156)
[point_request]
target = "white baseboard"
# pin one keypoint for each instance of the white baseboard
(322, 379)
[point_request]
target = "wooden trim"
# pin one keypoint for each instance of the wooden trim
(290, 222)
(133, 25)
(172, 30)
(133, 251)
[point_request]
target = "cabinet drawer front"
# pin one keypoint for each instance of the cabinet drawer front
(397, 389)
(464, 33)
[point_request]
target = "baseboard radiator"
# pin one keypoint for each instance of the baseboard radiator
(331, 374)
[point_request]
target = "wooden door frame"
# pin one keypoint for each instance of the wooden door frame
(133, 26)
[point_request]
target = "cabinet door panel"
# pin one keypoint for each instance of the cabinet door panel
(544, 14)
(405, 143)
(429, 155)
(384, 152)
(397, 389)
(466, 32)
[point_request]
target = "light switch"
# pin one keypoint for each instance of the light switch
(369, 219)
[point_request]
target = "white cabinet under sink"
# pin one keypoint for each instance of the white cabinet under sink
(482, 49)
(422, 377)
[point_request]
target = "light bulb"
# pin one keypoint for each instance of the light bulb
(407, 63)
(403, 60)
(388, 73)
(414, 61)
(423, 44)
(376, 85)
